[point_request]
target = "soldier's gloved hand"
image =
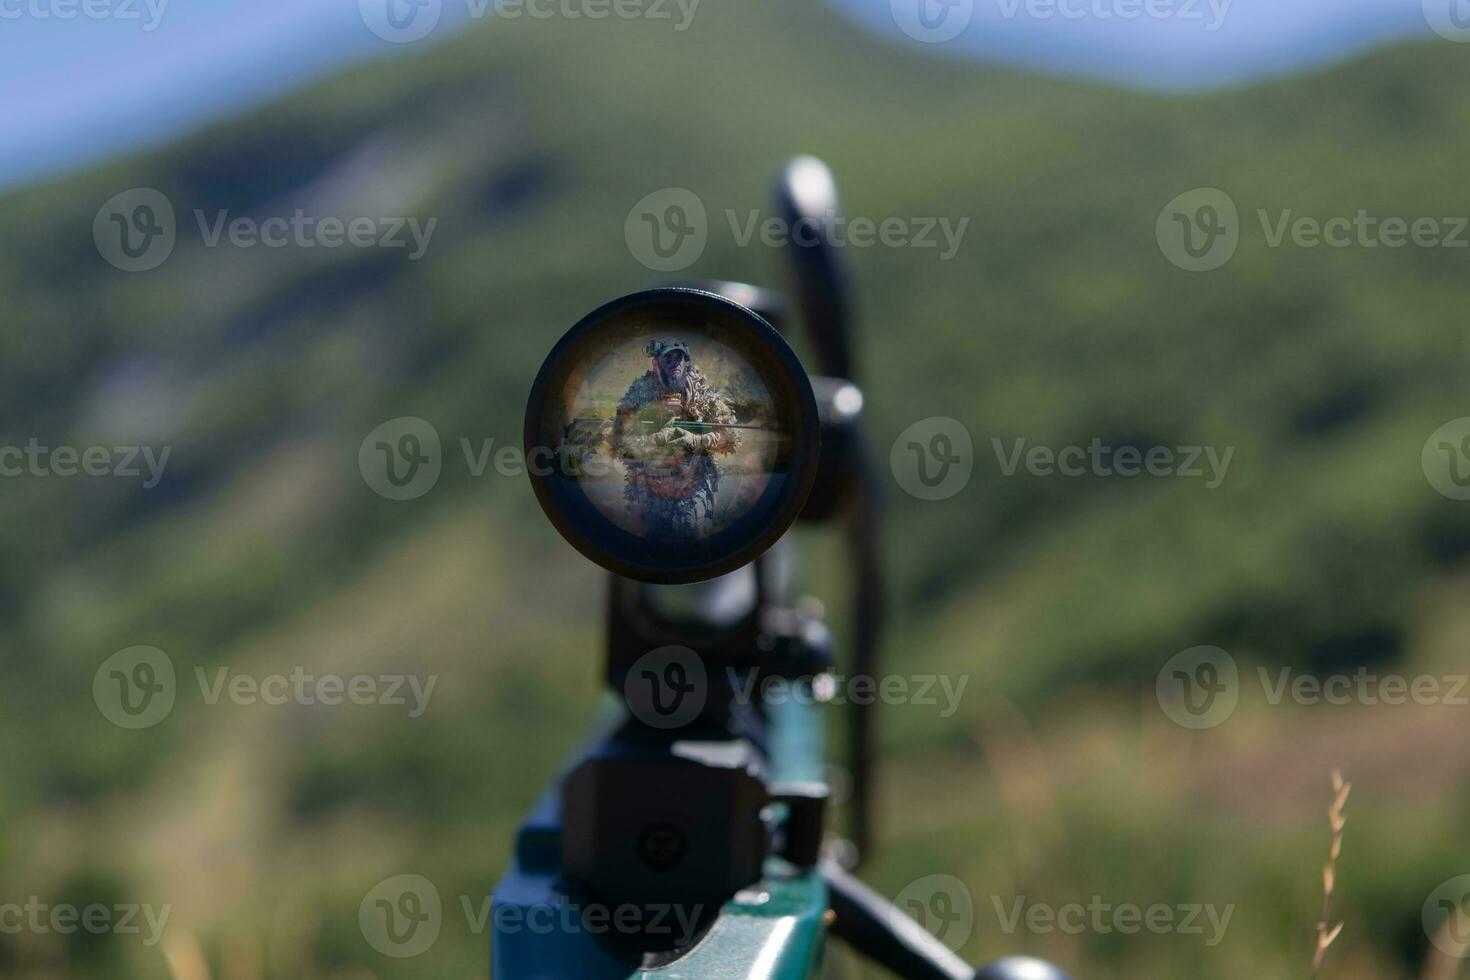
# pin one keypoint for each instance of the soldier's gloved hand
(668, 434)
(694, 442)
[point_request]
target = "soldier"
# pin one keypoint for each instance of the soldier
(672, 476)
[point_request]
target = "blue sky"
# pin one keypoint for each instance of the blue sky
(1174, 44)
(81, 88)
(84, 79)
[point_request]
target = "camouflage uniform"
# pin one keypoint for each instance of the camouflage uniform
(672, 476)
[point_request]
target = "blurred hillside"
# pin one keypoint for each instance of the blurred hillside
(1059, 321)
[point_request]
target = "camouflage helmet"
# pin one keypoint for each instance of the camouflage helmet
(658, 348)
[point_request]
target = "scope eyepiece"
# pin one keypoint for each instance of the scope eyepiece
(672, 435)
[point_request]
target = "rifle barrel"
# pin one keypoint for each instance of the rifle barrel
(680, 423)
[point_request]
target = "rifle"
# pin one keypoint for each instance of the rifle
(685, 424)
(689, 838)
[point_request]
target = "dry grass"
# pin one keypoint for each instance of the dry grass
(1337, 819)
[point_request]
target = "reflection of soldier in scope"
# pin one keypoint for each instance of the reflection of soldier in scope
(667, 429)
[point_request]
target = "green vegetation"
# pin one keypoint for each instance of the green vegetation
(1058, 321)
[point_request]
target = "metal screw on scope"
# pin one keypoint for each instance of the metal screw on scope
(662, 846)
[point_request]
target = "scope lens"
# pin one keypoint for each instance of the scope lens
(672, 435)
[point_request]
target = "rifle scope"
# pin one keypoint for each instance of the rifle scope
(672, 436)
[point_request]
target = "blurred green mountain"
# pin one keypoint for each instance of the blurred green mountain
(1058, 321)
